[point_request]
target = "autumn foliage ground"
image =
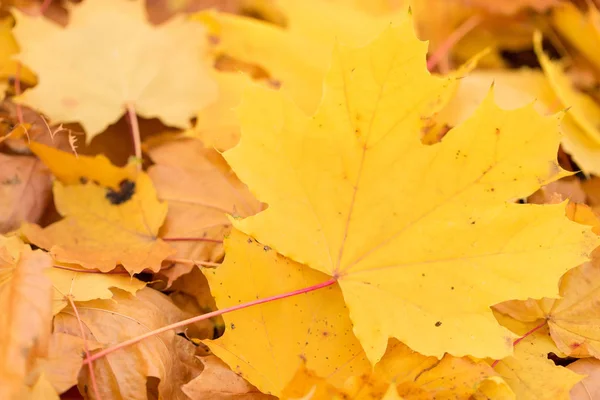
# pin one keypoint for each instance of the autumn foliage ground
(341, 199)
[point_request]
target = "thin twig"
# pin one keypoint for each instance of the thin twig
(135, 134)
(202, 317)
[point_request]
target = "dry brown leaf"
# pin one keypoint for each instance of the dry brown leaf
(201, 190)
(558, 191)
(26, 316)
(191, 293)
(25, 190)
(123, 374)
(509, 7)
(589, 387)
(218, 382)
(64, 361)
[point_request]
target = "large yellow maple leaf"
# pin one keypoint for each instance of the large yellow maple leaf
(100, 69)
(421, 239)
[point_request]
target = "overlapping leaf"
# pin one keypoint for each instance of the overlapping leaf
(123, 374)
(123, 66)
(203, 193)
(424, 234)
(103, 227)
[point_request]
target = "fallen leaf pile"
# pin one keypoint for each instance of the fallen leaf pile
(261, 199)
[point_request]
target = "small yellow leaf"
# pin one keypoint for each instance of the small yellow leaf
(531, 375)
(84, 286)
(72, 170)
(100, 71)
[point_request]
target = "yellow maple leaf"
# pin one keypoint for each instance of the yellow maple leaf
(531, 375)
(283, 51)
(421, 239)
(102, 227)
(573, 319)
(314, 327)
(101, 71)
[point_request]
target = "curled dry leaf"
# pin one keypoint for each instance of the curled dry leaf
(218, 382)
(201, 190)
(103, 227)
(589, 387)
(190, 292)
(123, 374)
(26, 317)
(120, 73)
(25, 190)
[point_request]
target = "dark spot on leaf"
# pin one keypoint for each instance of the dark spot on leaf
(15, 180)
(232, 326)
(438, 324)
(83, 180)
(249, 240)
(266, 248)
(125, 192)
